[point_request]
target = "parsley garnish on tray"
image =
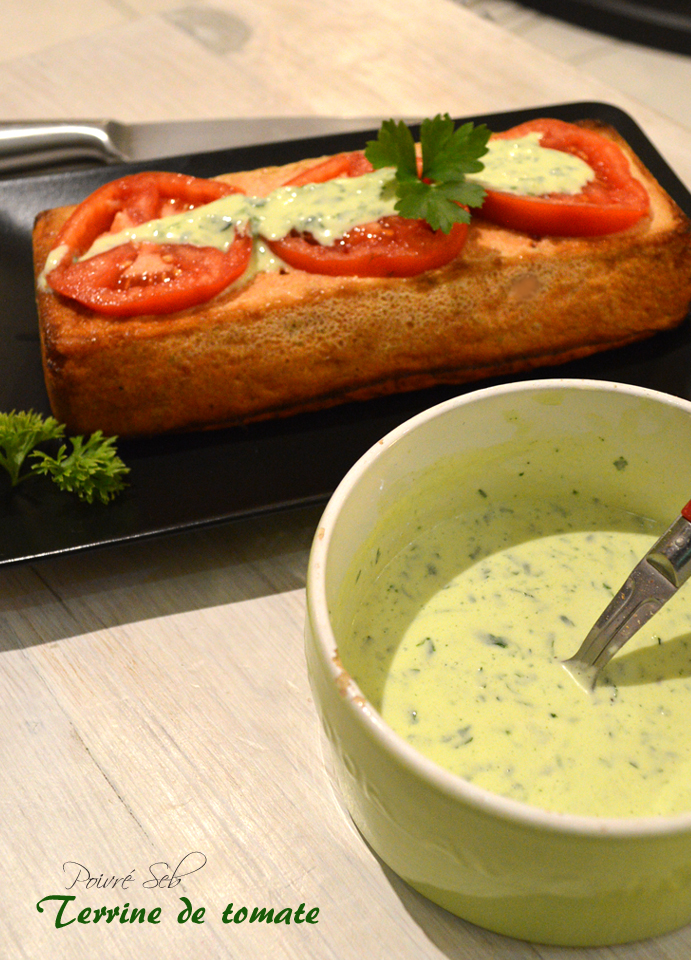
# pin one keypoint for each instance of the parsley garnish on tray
(448, 155)
(91, 469)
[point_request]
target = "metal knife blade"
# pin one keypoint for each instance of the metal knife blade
(27, 145)
(640, 597)
(651, 583)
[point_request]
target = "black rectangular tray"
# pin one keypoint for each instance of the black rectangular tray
(190, 480)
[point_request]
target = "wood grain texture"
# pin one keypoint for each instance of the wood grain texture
(328, 58)
(153, 696)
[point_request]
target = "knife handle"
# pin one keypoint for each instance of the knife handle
(41, 143)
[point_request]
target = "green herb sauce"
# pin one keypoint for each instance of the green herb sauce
(325, 210)
(523, 167)
(460, 641)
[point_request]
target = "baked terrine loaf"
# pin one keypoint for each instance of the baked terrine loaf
(280, 340)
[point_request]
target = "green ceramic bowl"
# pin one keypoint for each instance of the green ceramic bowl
(514, 869)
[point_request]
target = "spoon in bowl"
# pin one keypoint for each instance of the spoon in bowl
(656, 578)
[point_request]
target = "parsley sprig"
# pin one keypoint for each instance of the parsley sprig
(92, 469)
(448, 155)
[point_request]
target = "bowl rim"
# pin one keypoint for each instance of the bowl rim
(369, 718)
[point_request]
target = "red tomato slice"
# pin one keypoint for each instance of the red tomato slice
(353, 164)
(389, 247)
(146, 278)
(614, 200)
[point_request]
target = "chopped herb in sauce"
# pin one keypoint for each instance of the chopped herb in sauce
(514, 591)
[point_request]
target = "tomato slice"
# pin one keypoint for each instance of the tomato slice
(614, 200)
(144, 278)
(353, 164)
(390, 247)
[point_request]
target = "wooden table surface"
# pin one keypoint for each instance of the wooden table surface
(157, 724)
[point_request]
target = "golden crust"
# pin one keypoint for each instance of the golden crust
(297, 341)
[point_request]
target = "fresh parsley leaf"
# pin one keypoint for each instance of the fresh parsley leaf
(448, 155)
(19, 434)
(394, 147)
(92, 470)
(437, 203)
